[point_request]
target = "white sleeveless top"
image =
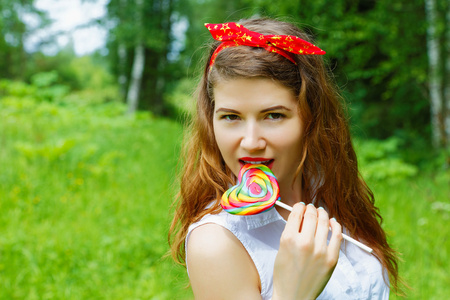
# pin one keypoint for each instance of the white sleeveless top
(358, 274)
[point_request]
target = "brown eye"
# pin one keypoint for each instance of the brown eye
(230, 117)
(275, 116)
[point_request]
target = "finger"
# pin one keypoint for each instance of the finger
(323, 223)
(336, 236)
(295, 218)
(309, 223)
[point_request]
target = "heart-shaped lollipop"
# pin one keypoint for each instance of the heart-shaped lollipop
(256, 191)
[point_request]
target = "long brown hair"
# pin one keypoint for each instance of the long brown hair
(329, 168)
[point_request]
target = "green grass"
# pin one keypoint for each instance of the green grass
(416, 216)
(85, 197)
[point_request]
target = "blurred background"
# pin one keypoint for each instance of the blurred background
(93, 95)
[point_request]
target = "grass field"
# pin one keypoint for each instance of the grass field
(85, 196)
(416, 216)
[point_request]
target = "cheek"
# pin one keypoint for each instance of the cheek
(290, 146)
(291, 141)
(217, 135)
(222, 141)
(227, 144)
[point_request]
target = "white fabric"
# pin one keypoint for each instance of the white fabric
(358, 274)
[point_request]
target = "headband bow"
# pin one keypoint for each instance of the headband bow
(234, 34)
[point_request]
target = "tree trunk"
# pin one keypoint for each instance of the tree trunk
(136, 78)
(122, 61)
(434, 80)
(137, 71)
(447, 78)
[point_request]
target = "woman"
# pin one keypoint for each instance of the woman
(265, 97)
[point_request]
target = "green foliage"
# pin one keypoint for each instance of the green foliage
(50, 152)
(147, 24)
(46, 87)
(379, 161)
(16, 88)
(80, 80)
(85, 194)
(76, 72)
(181, 96)
(44, 79)
(42, 89)
(95, 83)
(12, 31)
(416, 212)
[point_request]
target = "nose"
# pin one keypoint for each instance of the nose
(252, 139)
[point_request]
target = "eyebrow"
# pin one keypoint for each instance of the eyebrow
(227, 110)
(278, 107)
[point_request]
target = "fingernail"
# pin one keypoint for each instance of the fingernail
(320, 207)
(302, 203)
(311, 204)
(334, 219)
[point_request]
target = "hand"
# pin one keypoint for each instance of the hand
(305, 262)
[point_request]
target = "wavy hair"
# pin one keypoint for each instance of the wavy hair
(329, 167)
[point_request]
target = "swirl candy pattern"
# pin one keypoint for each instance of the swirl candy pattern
(256, 191)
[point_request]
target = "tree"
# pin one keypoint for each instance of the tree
(208, 11)
(13, 31)
(139, 43)
(447, 75)
(435, 84)
(138, 64)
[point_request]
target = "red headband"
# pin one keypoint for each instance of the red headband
(234, 34)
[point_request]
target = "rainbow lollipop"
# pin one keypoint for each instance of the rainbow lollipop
(256, 191)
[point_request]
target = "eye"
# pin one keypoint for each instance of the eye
(275, 116)
(230, 117)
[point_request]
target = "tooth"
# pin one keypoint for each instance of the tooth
(257, 162)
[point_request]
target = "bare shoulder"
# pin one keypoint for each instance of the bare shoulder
(217, 261)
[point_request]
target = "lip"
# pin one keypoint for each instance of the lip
(265, 161)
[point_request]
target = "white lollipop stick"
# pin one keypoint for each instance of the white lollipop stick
(346, 237)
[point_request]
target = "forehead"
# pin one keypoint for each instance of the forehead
(253, 92)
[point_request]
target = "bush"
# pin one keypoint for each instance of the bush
(380, 161)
